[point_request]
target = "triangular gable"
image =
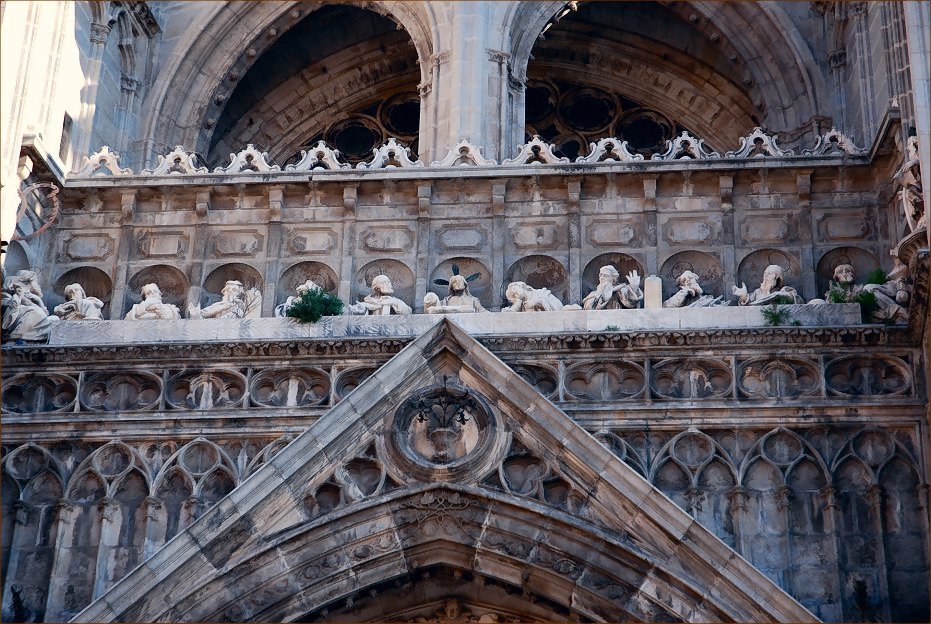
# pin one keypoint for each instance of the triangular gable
(445, 455)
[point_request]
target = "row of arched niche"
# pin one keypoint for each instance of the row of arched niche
(539, 271)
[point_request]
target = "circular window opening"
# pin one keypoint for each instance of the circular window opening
(588, 110)
(540, 102)
(404, 118)
(354, 138)
(645, 130)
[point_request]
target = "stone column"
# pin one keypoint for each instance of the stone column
(109, 538)
(156, 525)
(738, 497)
(422, 264)
(199, 245)
(498, 232)
(123, 253)
(64, 541)
(575, 242)
(918, 35)
(85, 125)
(832, 522)
(874, 498)
(346, 268)
(273, 250)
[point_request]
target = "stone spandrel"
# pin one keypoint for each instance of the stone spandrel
(94, 333)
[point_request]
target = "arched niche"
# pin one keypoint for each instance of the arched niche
(698, 63)
(95, 282)
(216, 280)
(15, 259)
(171, 281)
(322, 275)
(622, 262)
(861, 260)
(297, 70)
(750, 270)
(539, 271)
(480, 287)
(707, 267)
(402, 280)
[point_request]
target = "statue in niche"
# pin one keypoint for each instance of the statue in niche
(381, 301)
(609, 295)
(459, 298)
(25, 316)
(691, 295)
(890, 297)
(282, 308)
(771, 290)
(78, 306)
(911, 194)
(236, 303)
(151, 308)
(524, 298)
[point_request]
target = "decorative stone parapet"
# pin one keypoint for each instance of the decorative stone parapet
(96, 333)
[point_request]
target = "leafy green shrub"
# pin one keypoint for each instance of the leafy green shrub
(775, 315)
(784, 300)
(315, 304)
(837, 294)
(868, 305)
(877, 276)
(612, 328)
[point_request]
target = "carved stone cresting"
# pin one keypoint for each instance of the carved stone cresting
(608, 150)
(151, 307)
(319, 157)
(102, 162)
(686, 147)
(176, 161)
(833, 143)
(609, 295)
(524, 298)
(249, 160)
(237, 302)
(690, 294)
(390, 155)
(309, 285)
(25, 316)
(458, 300)
(464, 153)
(380, 301)
(535, 152)
(758, 144)
(911, 194)
(78, 306)
(771, 289)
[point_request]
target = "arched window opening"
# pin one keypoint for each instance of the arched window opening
(344, 75)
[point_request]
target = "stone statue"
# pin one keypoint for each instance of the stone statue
(771, 290)
(910, 196)
(890, 297)
(236, 303)
(380, 301)
(282, 308)
(25, 316)
(524, 298)
(691, 295)
(78, 306)
(459, 298)
(151, 308)
(609, 295)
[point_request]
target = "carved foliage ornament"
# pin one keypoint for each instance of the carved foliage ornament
(536, 152)
(320, 157)
(608, 150)
(464, 153)
(249, 160)
(833, 143)
(686, 147)
(103, 162)
(390, 155)
(759, 144)
(177, 161)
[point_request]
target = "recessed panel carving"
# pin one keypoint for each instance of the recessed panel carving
(243, 243)
(290, 387)
(690, 379)
(765, 229)
(605, 381)
(543, 378)
(455, 238)
(312, 241)
(535, 235)
(349, 380)
(778, 377)
(118, 392)
(843, 227)
(87, 246)
(868, 376)
(204, 390)
(36, 394)
(615, 232)
(160, 244)
(389, 238)
(693, 230)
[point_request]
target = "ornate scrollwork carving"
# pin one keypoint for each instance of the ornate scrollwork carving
(178, 160)
(102, 162)
(248, 160)
(390, 155)
(319, 157)
(203, 390)
(535, 152)
(835, 143)
(867, 376)
(464, 153)
(760, 145)
(688, 378)
(686, 147)
(778, 377)
(608, 150)
(543, 378)
(287, 387)
(120, 391)
(605, 381)
(35, 394)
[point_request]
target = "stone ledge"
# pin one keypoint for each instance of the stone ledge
(96, 333)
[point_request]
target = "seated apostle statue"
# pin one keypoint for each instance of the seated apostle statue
(609, 295)
(381, 301)
(524, 298)
(771, 290)
(25, 316)
(458, 300)
(282, 308)
(690, 294)
(78, 306)
(151, 308)
(890, 297)
(236, 303)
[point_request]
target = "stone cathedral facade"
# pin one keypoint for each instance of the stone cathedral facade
(553, 396)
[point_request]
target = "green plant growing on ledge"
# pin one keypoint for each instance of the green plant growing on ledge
(837, 294)
(877, 276)
(868, 304)
(314, 304)
(612, 328)
(775, 315)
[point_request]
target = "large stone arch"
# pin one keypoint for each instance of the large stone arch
(228, 38)
(770, 47)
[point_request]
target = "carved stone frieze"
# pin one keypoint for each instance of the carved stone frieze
(387, 238)
(457, 237)
(107, 392)
(204, 390)
(31, 393)
(84, 246)
(868, 376)
(691, 379)
(237, 243)
(605, 381)
(312, 240)
(779, 377)
(290, 387)
(162, 244)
